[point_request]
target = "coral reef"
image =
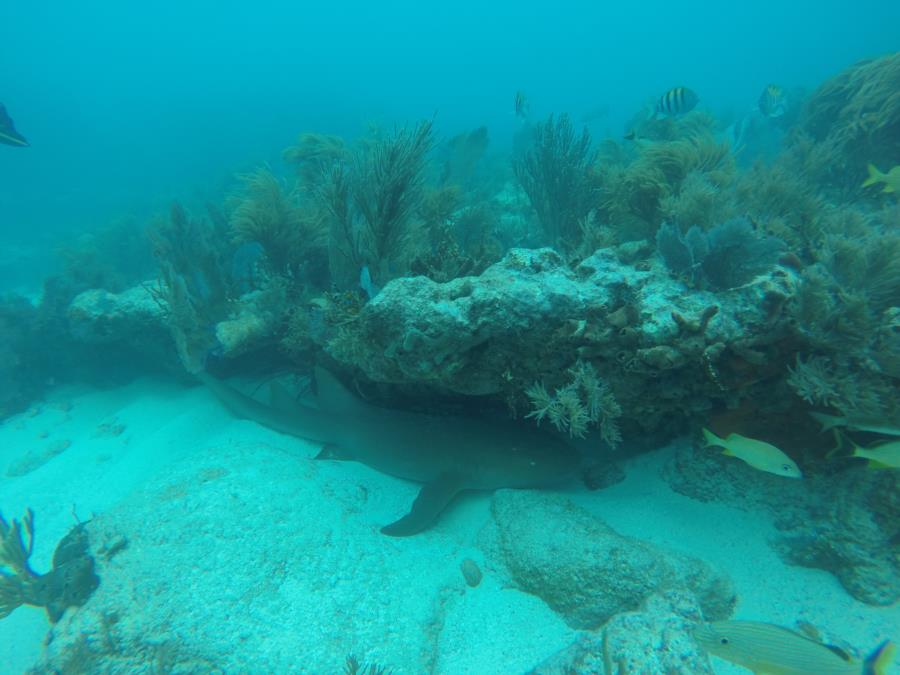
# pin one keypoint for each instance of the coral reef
(372, 200)
(680, 291)
(293, 234)
(851, 528)
(843, 519)
(585, 570)
(530, 317)
(313, 157)
(69, 583)
(681, 176)
(656, 638)
(112, 257)
(584, 401)
(195, 287)
(724, 257)
(557, 174)
(17, 360)
(846, 311)
(101, 317)
(854, 120)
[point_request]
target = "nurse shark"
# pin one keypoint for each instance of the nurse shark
(448, 454)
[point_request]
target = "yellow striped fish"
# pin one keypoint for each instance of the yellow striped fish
(767, 649)
(676, 101)
(881, 456)
(758, 454)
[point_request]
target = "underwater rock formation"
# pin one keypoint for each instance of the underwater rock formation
(657, 638)
(654, 639)
(852, 530)
(705, 474)
(136, 319)
(585, 570)
(100, 317)
(530, 317)
(845, 521)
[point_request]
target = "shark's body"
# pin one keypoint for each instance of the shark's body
(447, 454)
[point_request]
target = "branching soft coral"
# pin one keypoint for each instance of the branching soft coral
(584, 401)
(728, 255)
(834, 383)
(313, 157)
(843, 298)
(854, 118)
(195, 284)
(556, 174)
(372, 201)
(14, 555)
(267, 213)
(683, 177)
(69, 583)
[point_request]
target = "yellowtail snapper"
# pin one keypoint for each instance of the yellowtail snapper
(677, 101)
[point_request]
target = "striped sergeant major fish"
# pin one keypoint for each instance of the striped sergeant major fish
(677, 101)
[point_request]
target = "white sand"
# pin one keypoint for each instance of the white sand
(164, 423)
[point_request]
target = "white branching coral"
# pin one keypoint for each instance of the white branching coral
(584, 401)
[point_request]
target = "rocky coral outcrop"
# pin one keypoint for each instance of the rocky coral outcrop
(707, 475)
(851, 528)
(845, 521)
(531, 314)
(137, 319)
(98, 316)
(653, 639)
(587, 571)
(657, 638)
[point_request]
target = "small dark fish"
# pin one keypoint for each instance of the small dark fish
(630, 136)
(677, 101)
(521, 105)
(8, 133)
(772, 101)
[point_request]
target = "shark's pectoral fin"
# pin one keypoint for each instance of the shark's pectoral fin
(433, 498)
(335, 452)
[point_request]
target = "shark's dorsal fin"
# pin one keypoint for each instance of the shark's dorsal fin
(332, 394)
(433, 498)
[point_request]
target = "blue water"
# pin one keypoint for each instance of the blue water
(129, 105)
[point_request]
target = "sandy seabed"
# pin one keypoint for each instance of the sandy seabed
(92, 452)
